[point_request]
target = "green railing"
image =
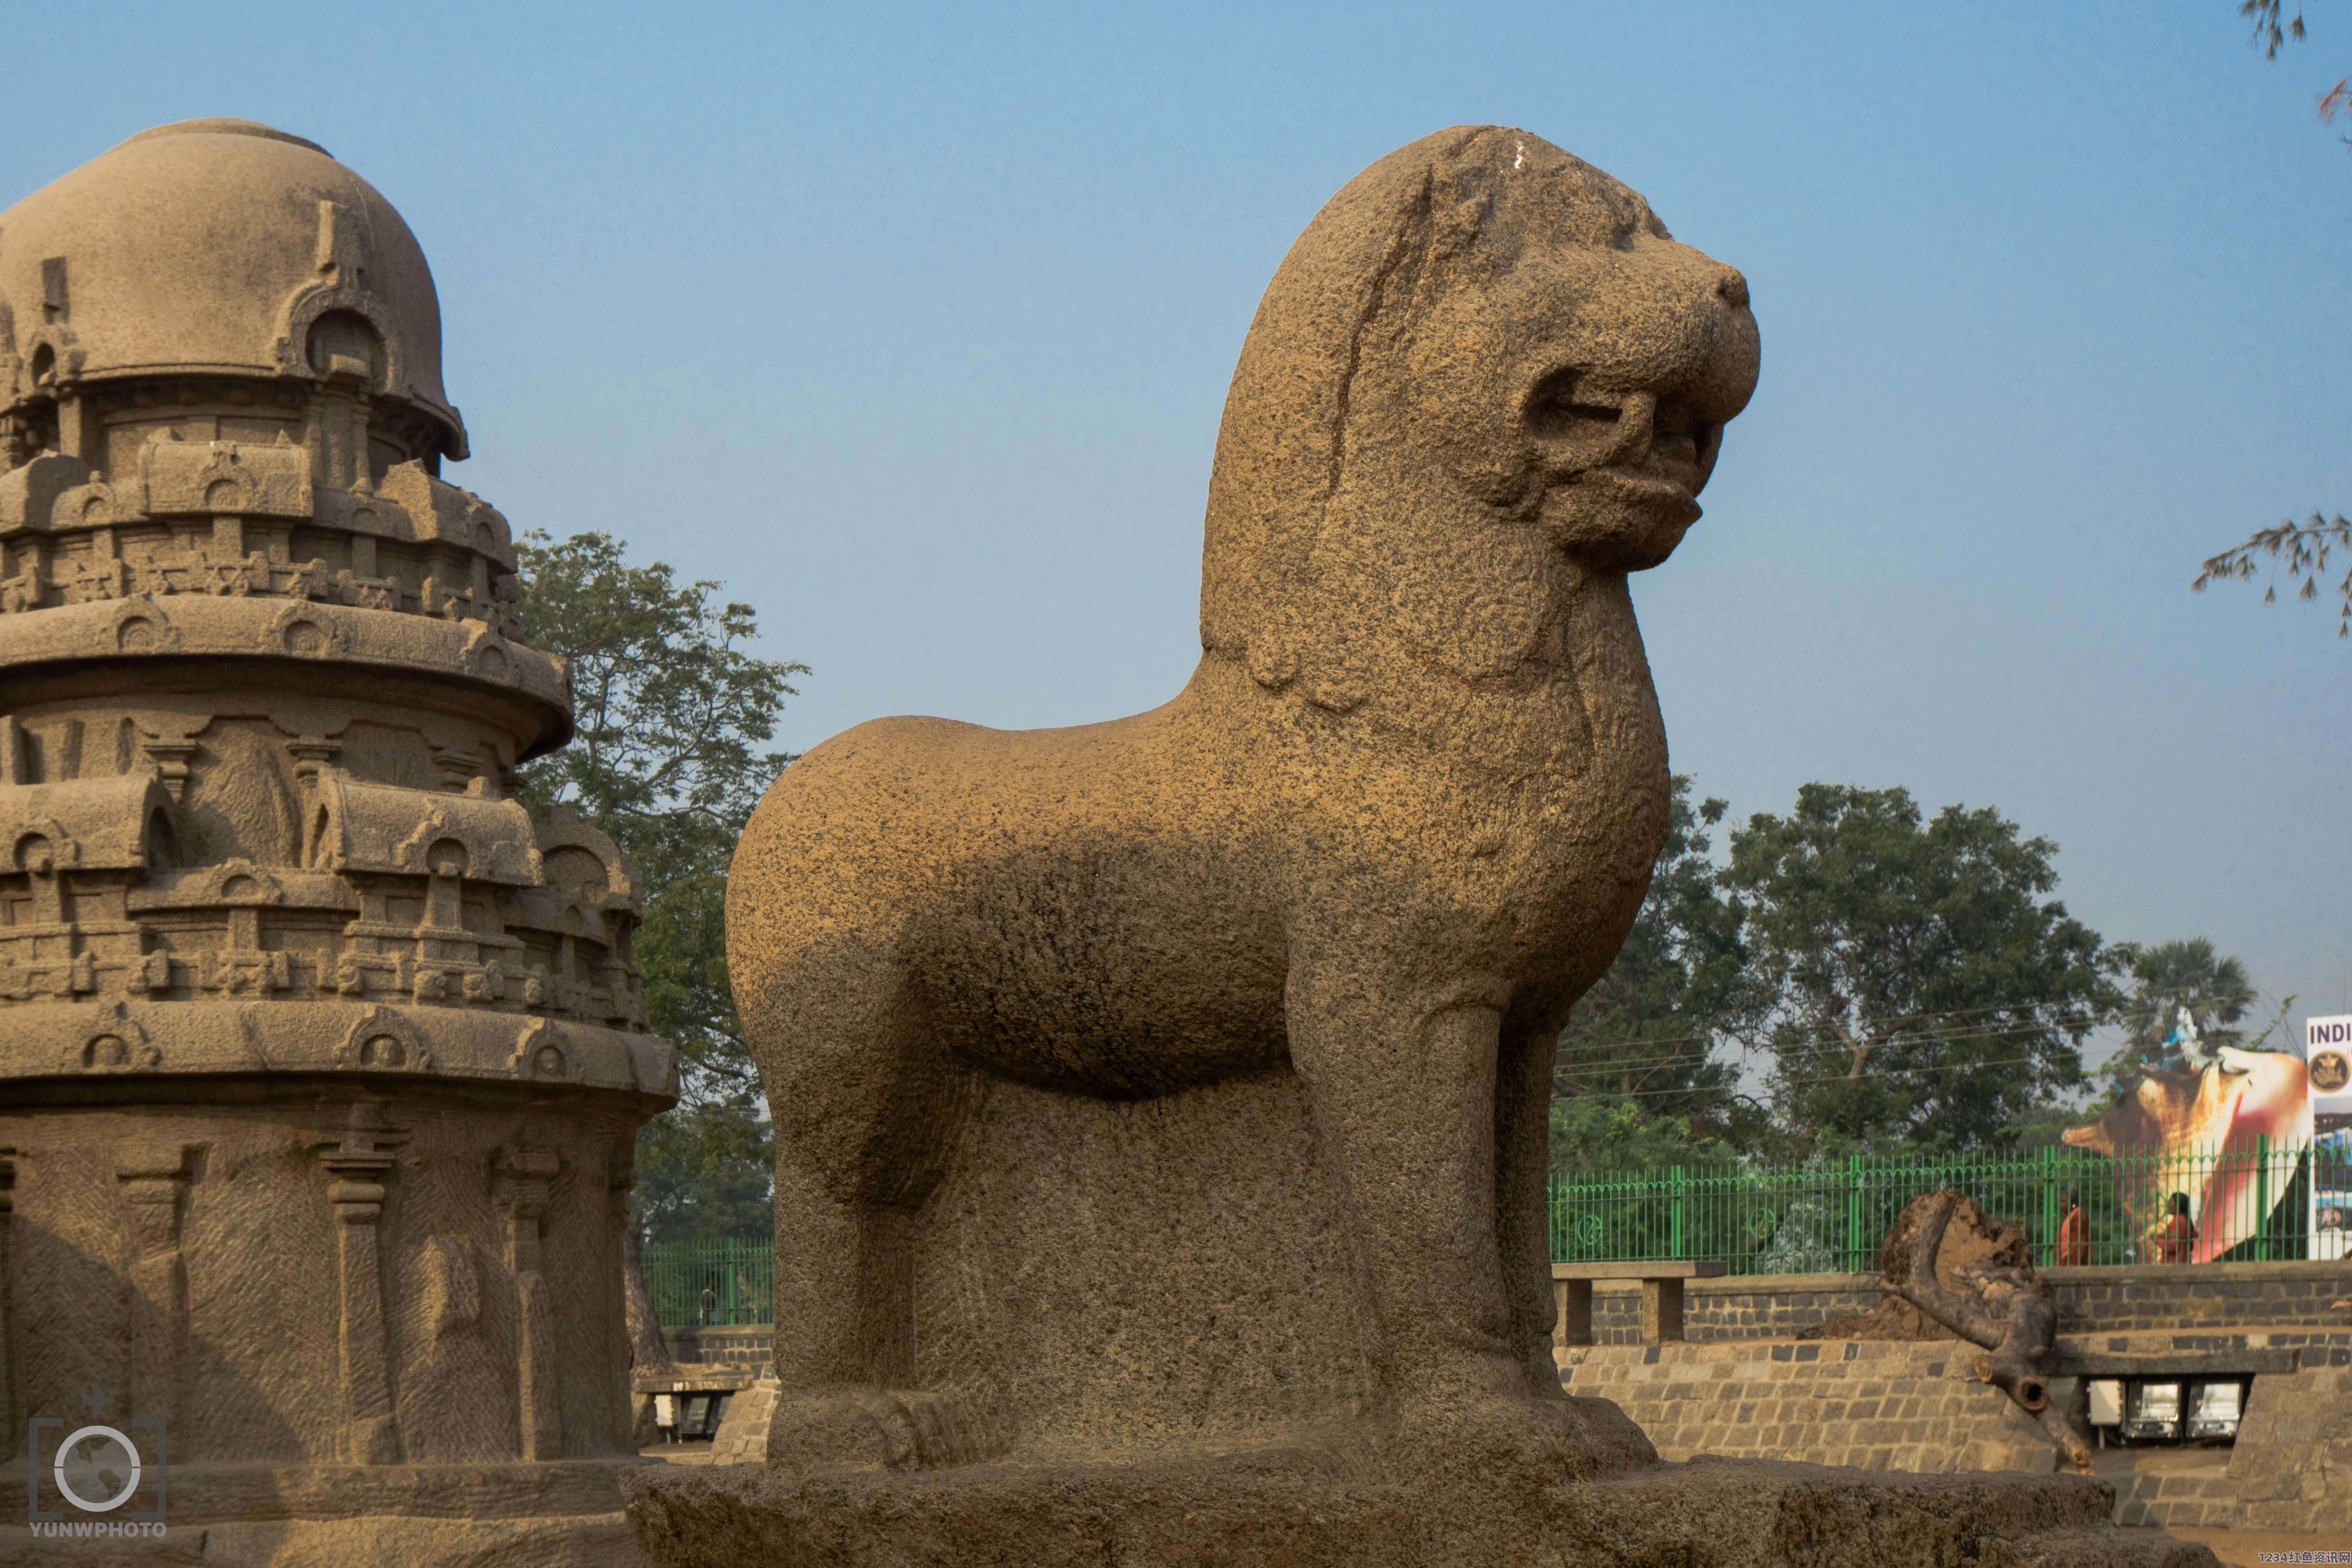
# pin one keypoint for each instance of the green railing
(705, 1282)
(1811, 1219)
(1829, 1218)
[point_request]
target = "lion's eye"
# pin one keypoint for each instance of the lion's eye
(1558, 406)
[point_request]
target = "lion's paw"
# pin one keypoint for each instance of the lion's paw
(873, 1429)
(1532, 1440)
(948, 1431)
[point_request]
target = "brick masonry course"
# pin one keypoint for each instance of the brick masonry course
(1744, 1386)
(2114, 1298)
(732, 1344)
(1875, 1405)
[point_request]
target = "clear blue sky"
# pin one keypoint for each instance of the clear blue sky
(912, 323)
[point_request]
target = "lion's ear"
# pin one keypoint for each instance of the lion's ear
(1481, 601)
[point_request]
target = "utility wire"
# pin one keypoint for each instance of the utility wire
(1831, 1078)
(1913, 1038)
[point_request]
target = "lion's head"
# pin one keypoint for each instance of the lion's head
(1485, 367)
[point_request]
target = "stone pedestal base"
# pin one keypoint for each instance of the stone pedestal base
(563, 1514)
(1754, 1513)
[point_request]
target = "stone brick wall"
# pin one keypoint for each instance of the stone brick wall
(2118, 1298)
(1749, 1307)
(742, 1435)
(2292, 1466)
(2130, 1297)
(1876, 1405)
(744, 1344)
(1745, 1388)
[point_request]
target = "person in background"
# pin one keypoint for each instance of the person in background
(2073, 1234)
(2178, 1236)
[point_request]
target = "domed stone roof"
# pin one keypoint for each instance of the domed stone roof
(218, 247)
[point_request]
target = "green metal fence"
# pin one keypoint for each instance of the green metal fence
(1810, 1219)
(713, 1283)
(1833, 1217)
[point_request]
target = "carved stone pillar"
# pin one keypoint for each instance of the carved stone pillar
(9, 1419)
(154, 1184)
(620, 1188)
(359, 1161)
(525, 1176)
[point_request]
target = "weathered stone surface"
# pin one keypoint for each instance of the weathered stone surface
(1972, 1237)
(319, 1057)
(1338, 892)
(1301, 1514)
(742, 1435)
(1161, 1104)
(181, 252)
(2291, 1465)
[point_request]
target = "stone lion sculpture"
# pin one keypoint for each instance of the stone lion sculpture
(1400, 818)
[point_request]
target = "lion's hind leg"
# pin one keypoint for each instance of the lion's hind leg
(865, 1123)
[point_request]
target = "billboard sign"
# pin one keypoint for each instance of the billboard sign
(2328, 1054)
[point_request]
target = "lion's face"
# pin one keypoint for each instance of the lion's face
(1485, 381)
(1586, 389)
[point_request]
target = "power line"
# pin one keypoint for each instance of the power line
(1905, 1017)
(1604, 1069)
(1832, 1078)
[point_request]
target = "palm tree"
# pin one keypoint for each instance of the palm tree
(2167, 977)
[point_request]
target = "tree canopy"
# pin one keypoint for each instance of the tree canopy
(1924, 988)
(1862, 978)
(2166, 978)
(672, 720)
(1641, 1078)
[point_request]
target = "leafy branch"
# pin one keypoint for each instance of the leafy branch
(2300, 549)
(2271, 27)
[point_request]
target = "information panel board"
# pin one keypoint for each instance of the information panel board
(2328, 1054)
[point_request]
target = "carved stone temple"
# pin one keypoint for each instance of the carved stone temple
(320, 1059)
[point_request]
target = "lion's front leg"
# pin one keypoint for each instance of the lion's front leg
(1404, 1094)
(1523, 1196)
(1403, 1082)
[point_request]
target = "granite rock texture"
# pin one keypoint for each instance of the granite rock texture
(1338, 891)
(320, 1057)
(1161, 1104)
(1705, 1514)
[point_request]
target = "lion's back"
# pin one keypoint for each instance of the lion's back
(840, 840)
(882, 827)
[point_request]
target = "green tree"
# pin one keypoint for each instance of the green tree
(672, 717)
(1640, 1079)
(1926, 989)
(2165, 979)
